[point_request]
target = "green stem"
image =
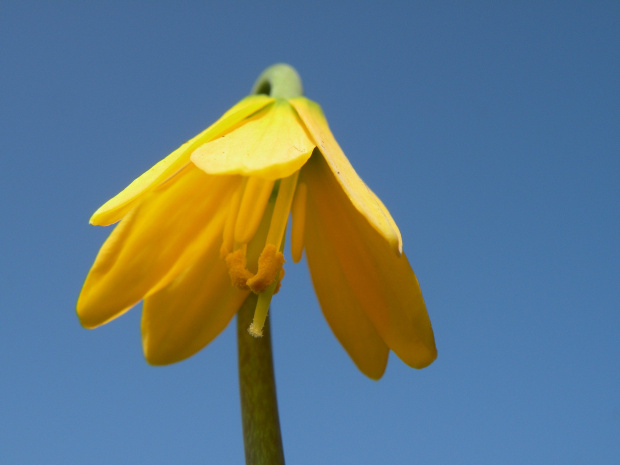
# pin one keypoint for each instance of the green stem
(279, 81)
(259, 406)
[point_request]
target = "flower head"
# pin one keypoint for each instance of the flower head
(204, 228)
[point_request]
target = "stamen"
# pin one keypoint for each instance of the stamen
(255, 197)
(298, 214)
(228, 240)
(266, 281)
(282, 209)
(239, 274)
(269, 265)
(279, 284)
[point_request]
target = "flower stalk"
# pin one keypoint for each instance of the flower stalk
(259, 406)
(279, 81)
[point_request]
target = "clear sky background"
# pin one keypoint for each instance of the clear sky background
(489, 129)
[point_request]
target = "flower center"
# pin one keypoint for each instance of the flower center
(254, 238)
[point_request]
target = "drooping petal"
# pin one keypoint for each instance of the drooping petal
(117, 207)
(191, 311)
(298, 221)
(340, 304)
(272, 144)
(364, 200)
(157, 240)
(377, 282)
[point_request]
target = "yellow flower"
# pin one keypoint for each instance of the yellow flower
(203, 229)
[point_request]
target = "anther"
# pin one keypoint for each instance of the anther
(269, 265)
(239, 274)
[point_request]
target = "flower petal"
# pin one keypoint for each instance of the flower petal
(340, 304)
(156, 241)
(191, 311)
(364, 200)
(117, 207)
(272, 144)
(374, 280)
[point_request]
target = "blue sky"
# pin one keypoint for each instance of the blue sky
(489, 129)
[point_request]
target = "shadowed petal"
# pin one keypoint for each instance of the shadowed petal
(156, 241)
(191, 311)
(376, 281)
(117, 207)
(272, 144)
(362, 198)
(339, 302)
